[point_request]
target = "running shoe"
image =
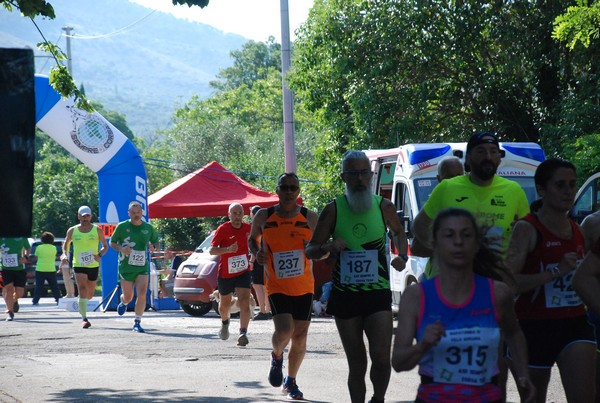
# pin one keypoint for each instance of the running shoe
(291, 388)
(224, 332)
(138, 328)
(276, 371)
(121, 308)
(9, 316)
(16, 307)
(261, 316)
(85, 324)
(242, 340)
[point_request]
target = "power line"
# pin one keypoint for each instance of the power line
(117, 32)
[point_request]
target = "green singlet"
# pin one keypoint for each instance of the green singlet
(137, 238)
(11, 249)
(85, 246)
(363, 265)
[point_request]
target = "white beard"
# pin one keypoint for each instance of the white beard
(359, 201)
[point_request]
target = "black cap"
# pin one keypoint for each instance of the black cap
(482, 138)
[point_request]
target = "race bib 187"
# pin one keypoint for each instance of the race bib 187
(359, 266)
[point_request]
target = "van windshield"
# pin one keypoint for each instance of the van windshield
(424, 187)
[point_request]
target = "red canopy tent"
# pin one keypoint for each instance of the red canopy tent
(207, 192)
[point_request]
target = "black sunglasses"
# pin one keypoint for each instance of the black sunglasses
(356, 174)
(289, 188)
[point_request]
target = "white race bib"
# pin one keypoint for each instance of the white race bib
(86, 258)
(10, 259)
(289, 264)
(466, 356)
(137, 258)
(559, 292)
(359, 266)
(237, 264)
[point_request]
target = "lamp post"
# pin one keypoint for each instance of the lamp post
(289, 143)
(68, 36)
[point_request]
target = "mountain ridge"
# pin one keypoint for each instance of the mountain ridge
(138, 62)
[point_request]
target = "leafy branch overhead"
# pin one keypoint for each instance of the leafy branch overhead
(200, 3)
(580, 23)
(60, 78)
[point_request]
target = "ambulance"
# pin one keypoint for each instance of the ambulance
(407, 175)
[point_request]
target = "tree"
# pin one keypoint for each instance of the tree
(240, 126)
(379, 74)
(580, 24)
(254, 62)
(61, 185)
(387, 73)
(117, 119)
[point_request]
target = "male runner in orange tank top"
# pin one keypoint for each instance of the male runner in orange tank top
(277, 239)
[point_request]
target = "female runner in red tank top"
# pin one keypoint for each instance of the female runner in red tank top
(544, 250)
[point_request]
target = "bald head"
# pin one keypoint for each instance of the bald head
(449, 167)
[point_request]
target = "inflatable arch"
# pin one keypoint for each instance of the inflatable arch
(91, 139)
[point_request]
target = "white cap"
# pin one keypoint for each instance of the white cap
(83, 210)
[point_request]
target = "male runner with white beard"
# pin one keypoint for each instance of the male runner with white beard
(353, 229)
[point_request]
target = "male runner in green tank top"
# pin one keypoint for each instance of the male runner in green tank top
(86, 238)
(15, 252)
(132, 239)
(361, 299)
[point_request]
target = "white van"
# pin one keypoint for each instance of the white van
(587, 200)
(407, 175)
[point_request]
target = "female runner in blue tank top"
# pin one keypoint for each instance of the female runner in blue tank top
(456, 319)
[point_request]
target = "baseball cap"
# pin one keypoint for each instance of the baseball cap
(83, 210)
(482, 138)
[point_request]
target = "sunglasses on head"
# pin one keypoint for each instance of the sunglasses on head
(288, 188)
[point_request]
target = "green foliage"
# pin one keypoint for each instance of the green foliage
(30, 8)
(584, 151)
(388, 73)
(252, 63)
(580, 24)
(117, 119)
(185, 233)
(61, 185)
(200, 3)
(241, 128)
(159, 169)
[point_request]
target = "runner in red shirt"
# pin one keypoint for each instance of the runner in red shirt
(231, 243)
(545, 249)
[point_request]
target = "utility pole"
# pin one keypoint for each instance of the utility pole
(68, 36)
(289, 142)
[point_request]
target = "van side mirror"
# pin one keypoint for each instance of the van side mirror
(579, 215)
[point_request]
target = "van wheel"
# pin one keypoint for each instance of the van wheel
(197, 309)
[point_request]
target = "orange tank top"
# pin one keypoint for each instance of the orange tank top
(288, 271)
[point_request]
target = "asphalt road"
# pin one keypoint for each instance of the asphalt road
(48, 357)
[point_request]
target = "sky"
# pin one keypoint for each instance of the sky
(253, 19)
